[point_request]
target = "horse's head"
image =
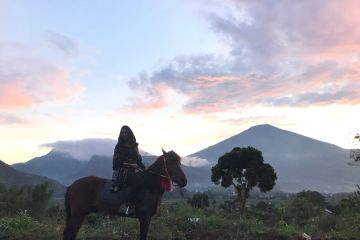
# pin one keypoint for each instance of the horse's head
(173, 165)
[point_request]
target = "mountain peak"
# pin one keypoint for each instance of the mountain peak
(265, 125)
(301, 162)
(3, 164)
(264, 128)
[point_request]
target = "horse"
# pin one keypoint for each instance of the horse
(83, 196)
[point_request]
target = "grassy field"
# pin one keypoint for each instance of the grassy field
(179, 220)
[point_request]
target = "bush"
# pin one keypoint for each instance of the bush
(266, 212)
(34, 199)
(305, 206)
(199, 200)
(19, 223)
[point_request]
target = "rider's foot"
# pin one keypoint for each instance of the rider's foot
(126, 209)
(114, 188)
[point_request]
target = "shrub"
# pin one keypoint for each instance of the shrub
(19, 223)
(199, 200)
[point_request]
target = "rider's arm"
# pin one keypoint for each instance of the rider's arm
(119, 157)
(140, 163)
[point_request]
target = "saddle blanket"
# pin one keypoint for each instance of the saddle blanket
(114, 199)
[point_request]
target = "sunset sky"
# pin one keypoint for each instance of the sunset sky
(183, 74)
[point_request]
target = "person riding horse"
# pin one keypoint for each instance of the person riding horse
(127, 164)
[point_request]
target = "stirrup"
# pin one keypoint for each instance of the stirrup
(114, 188)
(126, 209)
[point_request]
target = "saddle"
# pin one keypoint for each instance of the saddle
(116, 200)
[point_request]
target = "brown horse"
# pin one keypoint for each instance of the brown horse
(83, 196)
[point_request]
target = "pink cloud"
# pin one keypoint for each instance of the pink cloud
(13, 95)
(281, 53)
(146, 100)
(26, 79)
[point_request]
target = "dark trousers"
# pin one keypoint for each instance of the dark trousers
(130, 181)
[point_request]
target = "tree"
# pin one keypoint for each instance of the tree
(306, 205)
(243, 168)
(355, 153)
(199, 200)
(35, 199)
(40, 196)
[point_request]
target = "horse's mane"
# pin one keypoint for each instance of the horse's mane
(158, 163)
(173, 155)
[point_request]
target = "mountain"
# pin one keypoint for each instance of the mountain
(65, 169)
(300, 162)
(62, 167)
(12, 177)
(52, 165)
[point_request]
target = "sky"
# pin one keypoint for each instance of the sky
(182, 74)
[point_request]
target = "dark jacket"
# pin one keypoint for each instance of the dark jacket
(127, 151)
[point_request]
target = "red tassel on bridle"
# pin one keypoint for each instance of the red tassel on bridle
(165, 183)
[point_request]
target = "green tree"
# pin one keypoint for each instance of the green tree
(40, 197)
(35, 199)
(355, 153)
(199, 200)
(243, 168)
(306, 205)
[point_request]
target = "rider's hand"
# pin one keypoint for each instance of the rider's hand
(133, 165)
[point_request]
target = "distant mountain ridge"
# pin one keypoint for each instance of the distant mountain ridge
(52, 165)
(267, 138)
(301, 163)
(12, 177)
(62, 167)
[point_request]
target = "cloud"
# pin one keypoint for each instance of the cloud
(194, 161)
(62, 42)
(26, 79)
(84, 149)
(345, 95)
(11, 119)
(281, 53)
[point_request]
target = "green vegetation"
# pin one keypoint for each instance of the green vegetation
(27, 213)
(32, 199)
(355, 153)
(199, 200)
(201, 217)
(243, 169)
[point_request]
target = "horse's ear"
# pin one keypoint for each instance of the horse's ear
(163, 151)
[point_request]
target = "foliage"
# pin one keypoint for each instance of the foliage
(351, 204)
(179, 220)
(199, 200)
(230, 206)
(243, 168)
(33, 199)
(355, 153)
(267, 212)
(305, 206)
(19, 223)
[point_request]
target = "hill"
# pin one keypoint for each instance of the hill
(12, 177)
(53, 165)
(300, 162)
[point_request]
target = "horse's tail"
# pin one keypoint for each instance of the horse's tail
(67, 207)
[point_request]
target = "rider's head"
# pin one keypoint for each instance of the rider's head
(126, 134)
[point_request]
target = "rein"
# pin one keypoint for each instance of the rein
(167, 176)
(166, 180)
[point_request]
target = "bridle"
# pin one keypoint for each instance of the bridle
(166, 174)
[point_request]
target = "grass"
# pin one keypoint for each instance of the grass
(177, 221)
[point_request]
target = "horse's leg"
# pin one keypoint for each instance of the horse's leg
(73, 226)
(144, 227)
